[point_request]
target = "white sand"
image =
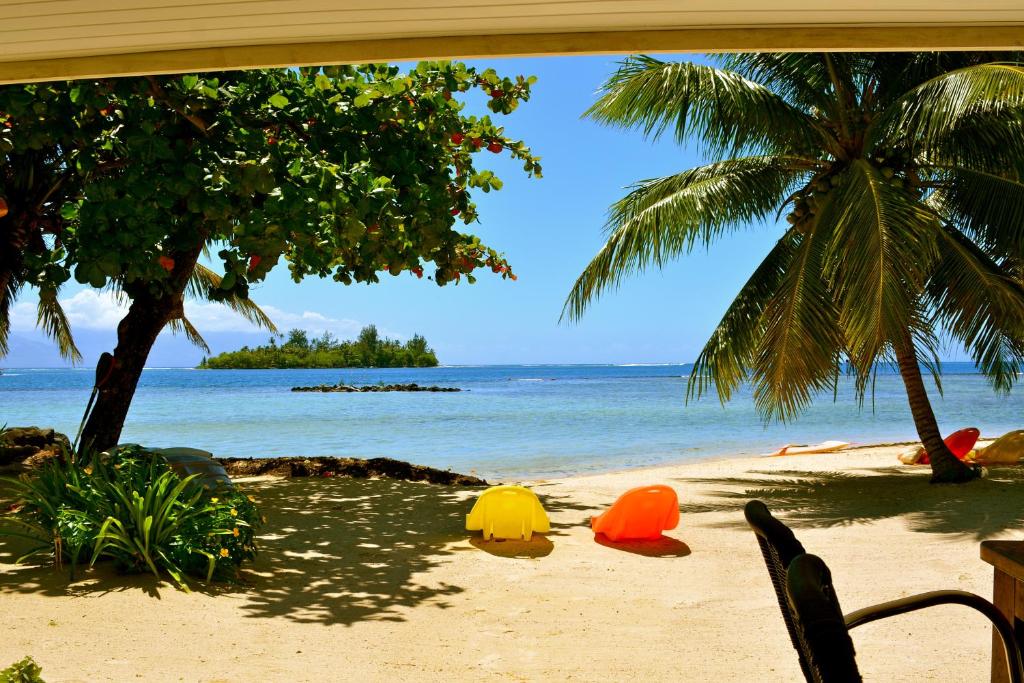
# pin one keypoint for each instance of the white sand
(375, 580)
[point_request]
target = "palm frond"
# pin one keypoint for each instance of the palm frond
(727, 112)
(981, 305)
(991, 142)
(665, 217)
(8, 295)
(800, 77)
(728, 356)
(881, 247)
(988, 206)
(54, 322)
(933, 110)
(182, 325)
(203, 280)
(800, 351)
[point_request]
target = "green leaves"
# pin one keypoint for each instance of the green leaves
(901, 180)
(129, 507)
(728, 356)
(666, 217)
(727, 112)
(23, 671)
(882, 246)
(799, 352)
(932, 111)
(980, 302)
(344, 172)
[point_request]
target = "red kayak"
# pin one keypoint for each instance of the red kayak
(959, 443)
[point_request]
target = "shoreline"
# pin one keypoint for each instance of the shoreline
(356, 467)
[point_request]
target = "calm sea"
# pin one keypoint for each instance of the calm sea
(510, 421)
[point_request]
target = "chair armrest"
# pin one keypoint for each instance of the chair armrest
(923, 600)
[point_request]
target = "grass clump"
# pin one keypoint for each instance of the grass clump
(128, 506)
(25, 671)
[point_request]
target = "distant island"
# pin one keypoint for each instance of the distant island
(297, 350)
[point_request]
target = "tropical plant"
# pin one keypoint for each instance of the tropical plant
(130, 507)
(900, 176)
(24, 671)
(345, 172)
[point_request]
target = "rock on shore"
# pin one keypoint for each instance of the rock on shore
(345, 467)
(29, 447)
(368, 388)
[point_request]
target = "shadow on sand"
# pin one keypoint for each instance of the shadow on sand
(977, 510)
(666, 546)
(333, 551)
(538, 546)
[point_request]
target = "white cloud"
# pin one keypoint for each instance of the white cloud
(212, 317)
(92, 310)
(87, 309)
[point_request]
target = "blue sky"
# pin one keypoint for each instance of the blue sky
(549, 229)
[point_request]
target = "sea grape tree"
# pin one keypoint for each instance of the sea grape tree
(348, 172)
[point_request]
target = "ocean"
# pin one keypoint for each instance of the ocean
(510, 421)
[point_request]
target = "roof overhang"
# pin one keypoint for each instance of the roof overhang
(65, 39)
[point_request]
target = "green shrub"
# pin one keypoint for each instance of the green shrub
(130, 507)
(25, 671)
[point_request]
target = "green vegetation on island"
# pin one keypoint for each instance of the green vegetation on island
(369, 350)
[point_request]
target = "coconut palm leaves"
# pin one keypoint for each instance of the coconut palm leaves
(902, 177)
(665, 217)
(724, 110)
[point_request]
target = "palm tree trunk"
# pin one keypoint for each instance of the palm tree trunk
(946, 468)
(136, 333)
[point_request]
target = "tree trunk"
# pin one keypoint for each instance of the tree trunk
(136, 334)
(946, 468)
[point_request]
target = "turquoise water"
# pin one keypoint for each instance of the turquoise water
(532, 421)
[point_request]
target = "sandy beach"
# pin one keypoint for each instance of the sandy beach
(375, 580)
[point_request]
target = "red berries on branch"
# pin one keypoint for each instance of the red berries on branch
(457, 138)
(167, 263)
(254, 262)
(495, 146)
(3, 207)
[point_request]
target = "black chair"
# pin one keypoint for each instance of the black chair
(779, 547)
(817, 626)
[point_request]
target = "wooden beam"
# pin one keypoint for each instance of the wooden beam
(762, 39)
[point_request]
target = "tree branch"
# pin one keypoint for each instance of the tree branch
(160, 94)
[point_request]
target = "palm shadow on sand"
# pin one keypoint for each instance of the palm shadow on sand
(333, 551)
(977, 510)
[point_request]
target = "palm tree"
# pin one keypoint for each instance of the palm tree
(902, 180)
